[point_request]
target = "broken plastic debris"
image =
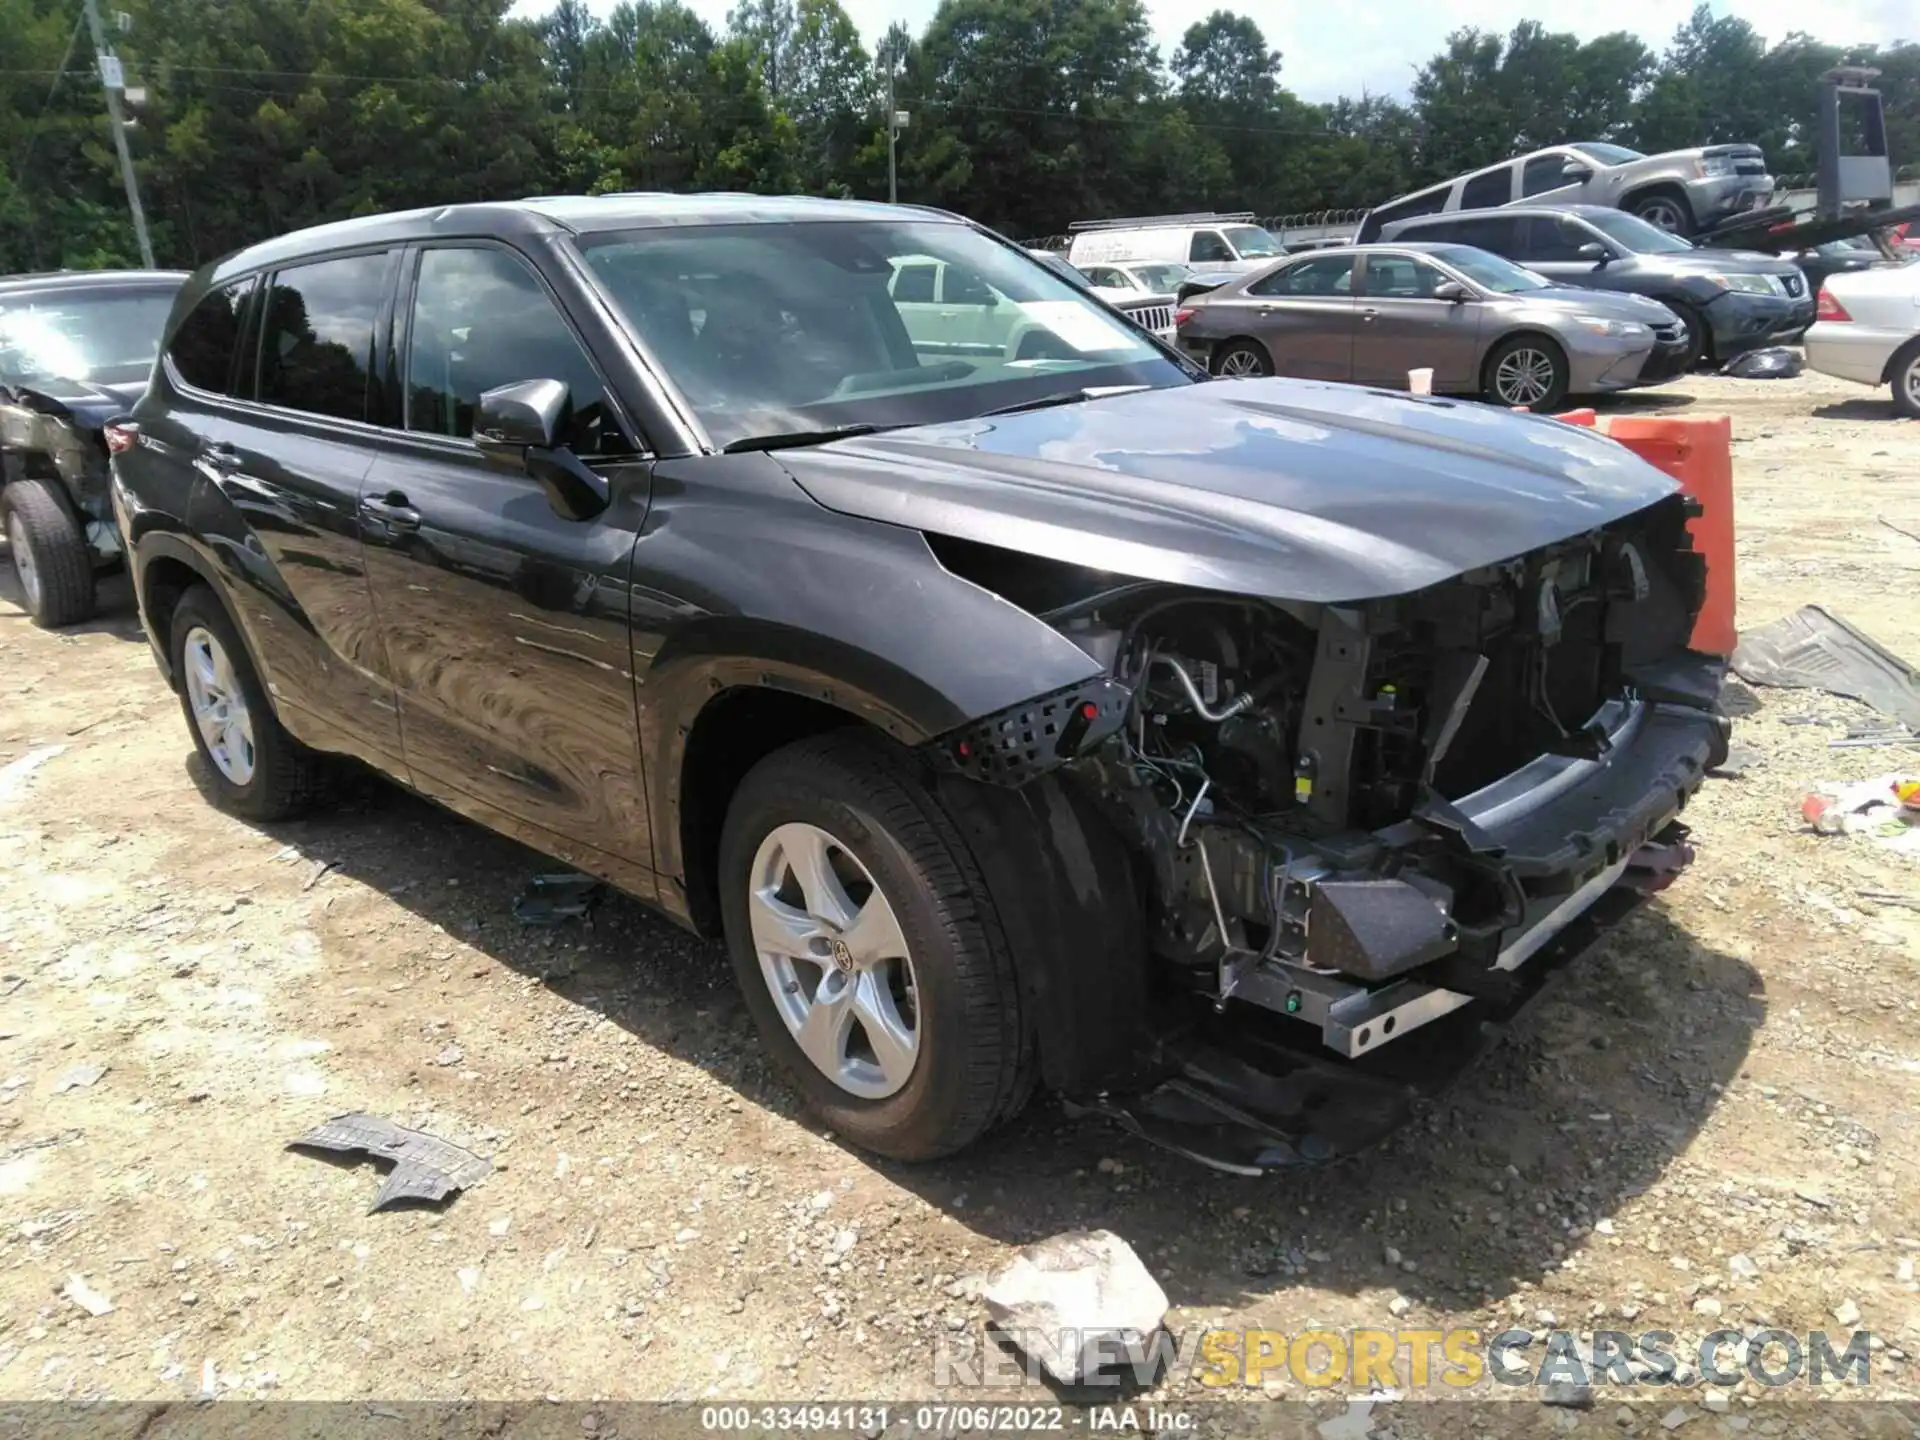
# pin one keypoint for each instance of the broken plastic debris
(1771, 362)
(80, 1077)
(425, 1167)
(1883, 809)
(86, 1297)
(557, 897)
(1813, 649)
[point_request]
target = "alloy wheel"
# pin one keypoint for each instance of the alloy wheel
(219, 705)
(1910, 383)
(1523, 377)
(1665, 214)
(23, 565)
(835, 960)
(1240, 364)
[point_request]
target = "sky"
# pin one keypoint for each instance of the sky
(1334, 49)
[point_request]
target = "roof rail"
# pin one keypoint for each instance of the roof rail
(1142, 222)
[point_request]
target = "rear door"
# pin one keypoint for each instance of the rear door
(506, 622)
(288, 454)
(1402, 326)
(973, 313)
(1305, 314)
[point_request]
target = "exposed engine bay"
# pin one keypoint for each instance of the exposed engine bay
(1366, 816)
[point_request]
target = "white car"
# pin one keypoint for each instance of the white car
(1206, 241)
(1867, 329)
(1136, 278)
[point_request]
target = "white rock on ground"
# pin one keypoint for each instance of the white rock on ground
(1847, 1313)
(1076, 1300)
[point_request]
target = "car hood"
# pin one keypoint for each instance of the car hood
(89, 402)
(1608, 304)
(1287, 489)
(1720, 262)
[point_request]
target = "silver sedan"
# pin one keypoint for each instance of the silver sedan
(1371, 314)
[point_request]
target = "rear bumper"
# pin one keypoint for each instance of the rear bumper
(1850, 351)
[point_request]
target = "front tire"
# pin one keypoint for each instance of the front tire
(1699, 333)
(257, 770)
(1667, 211)
(50, 555)
(1242, 360)
(1527, 371)
(868, 950)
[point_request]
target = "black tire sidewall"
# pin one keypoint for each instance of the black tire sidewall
(272, 746)
(1699, 336)
(1903, 365)
(1252, 347)
(1562, 374)
(921, 1120)
(61, 555)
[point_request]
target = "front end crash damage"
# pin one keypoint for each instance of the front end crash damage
(1359, 832)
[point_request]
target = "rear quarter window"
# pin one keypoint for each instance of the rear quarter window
(316, 341)
(1483, 192)
(206, 344)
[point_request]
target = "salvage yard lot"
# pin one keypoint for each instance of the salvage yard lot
(1717, 1114)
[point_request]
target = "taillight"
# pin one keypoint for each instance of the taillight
(121, 436)
(1181, 317)
(1830, 308)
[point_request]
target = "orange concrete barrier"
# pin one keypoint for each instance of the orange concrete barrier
(1587, 418)
(1698, 452)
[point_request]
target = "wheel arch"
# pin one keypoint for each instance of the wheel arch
(1898, 359)
(1220, 347)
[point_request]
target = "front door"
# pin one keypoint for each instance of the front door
(506, 624)
(1403, 326)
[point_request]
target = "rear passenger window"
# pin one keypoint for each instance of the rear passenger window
(1329, 276)
(1209, 247)
(316, 341)
(1502, 237)
(202, 352)
(1483, 192)
(482, 319)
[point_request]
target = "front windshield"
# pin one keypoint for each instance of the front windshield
(106, 337)
(1607, 154)
(1253, 243)
(1489, 271)
(1633, 232)
(782, 329)
(1162, 279)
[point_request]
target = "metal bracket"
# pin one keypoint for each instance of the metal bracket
(1339, 680)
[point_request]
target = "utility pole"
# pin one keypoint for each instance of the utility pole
(893, 135)
(896, 122)
(113, 80)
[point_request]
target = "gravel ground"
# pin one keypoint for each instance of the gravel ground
(1711, 1123)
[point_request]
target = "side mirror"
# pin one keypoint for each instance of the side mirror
(515, 418)
(1593, 250)
(1450, 290)
(1573, 172)
(519, 425)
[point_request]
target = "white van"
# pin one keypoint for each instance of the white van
(1207, 242)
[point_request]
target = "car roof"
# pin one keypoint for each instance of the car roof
(57, 281)
(567, 214)
(1585, 212)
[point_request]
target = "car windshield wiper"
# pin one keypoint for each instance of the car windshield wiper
(790, 439)
(1065, 397)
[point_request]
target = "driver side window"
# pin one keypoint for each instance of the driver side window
(1209, 247)
(482, 319)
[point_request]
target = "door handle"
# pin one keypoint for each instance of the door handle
(1369, 316)
(223, 456)
(391, 510)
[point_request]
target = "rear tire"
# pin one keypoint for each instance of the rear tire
(50, 554)
(1526, 370)
(257, 770)
(1242, 360)
(816, 957)
(1905, 374)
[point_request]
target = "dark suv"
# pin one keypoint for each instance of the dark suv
(75, 350)
(1064, 718)
(1732, 300)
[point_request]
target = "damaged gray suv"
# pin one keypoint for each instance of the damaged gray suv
(1215, 755)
